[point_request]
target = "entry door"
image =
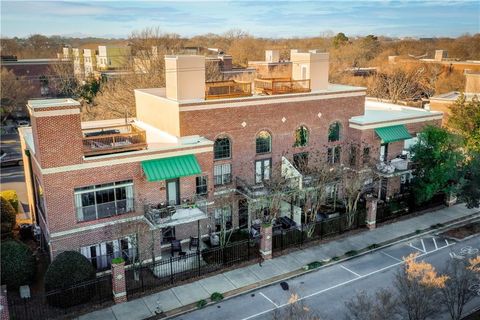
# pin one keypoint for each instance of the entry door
(173, 192)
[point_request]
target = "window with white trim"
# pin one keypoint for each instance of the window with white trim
(222, 174)
(262, 170)
(105, 200)
(334, 155)
(223, 218)
(101, 254)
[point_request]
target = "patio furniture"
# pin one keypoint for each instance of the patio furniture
(175, 246)
(182, 254)
(194, 242)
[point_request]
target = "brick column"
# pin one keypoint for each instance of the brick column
(371, 212)
(450, 199)
(4, 314)
(266, 242)
(119, 286)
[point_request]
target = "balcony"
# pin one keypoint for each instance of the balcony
(107, 140)
(394, 167)
(271, 86)
(162, 215)
(227, 89)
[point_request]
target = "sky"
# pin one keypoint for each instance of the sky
(277, 19)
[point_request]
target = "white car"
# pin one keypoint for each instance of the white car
(10, 159)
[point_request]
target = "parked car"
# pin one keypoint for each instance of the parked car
(10, 159)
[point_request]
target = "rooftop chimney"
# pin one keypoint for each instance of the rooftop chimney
(272, 55)
(311, 65)
(185, 77)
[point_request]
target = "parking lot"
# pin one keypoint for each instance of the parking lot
(326, 290)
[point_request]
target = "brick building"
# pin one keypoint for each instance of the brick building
(114, 187)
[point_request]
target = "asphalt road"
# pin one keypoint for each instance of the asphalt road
(324, 292)
(12, 177)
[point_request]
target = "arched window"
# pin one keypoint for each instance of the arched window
(221, 148)
(334, 132)
(301, 137)
(263, 142)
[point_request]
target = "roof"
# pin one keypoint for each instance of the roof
(379, 114)
(26, 132)
(453, 96)
(46, 103)
(171, 168)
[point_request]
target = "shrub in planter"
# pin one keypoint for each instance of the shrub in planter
(66, 276)
(12, 197)
(8, 216)
(18, 264)
(216, 296)
(201, 303)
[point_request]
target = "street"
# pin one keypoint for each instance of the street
(324, 292)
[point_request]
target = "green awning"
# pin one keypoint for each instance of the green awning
(170, 168)
(393, 133)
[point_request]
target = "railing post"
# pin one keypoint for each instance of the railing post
(371, 218)
(171, 270)
(266, 242)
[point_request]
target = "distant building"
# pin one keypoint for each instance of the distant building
(89, 62)
(112, 57)
(272, 67)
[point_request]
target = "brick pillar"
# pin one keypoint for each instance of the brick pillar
(450, 199)
(371, 212)
(266, 242)
(119, 286)
(4, 314)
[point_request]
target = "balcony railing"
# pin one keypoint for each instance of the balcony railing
(164, 215)
(273, 86)
(227, 89)
(113, 139)
(394, 167)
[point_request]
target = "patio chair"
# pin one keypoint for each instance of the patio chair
(194, 243)
(176, 246)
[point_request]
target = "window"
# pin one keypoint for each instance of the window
(264, 142)
(366, 155)
(101, 255)
(330, 191)
(223, 218)
(353, 156)
(262, 170)
(300, 161)
(334, 154)
(301, 137)
(334, 132)
(168, 234)
(221, 149)
(222, 174)
(201, 185)
(105, 200)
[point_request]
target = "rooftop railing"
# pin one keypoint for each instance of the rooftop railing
(227, 89)
(273, 86)
(106, 140)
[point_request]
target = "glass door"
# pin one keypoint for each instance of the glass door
(173, 192)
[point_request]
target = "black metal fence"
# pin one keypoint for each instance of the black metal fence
(62, 303)
(165, 272)
(319, 230)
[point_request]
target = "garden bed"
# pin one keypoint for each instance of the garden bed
(463, 231)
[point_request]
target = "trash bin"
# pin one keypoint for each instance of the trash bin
(26, 231)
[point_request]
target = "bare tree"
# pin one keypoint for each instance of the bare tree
(15, 92)
(295, 309)
(62, 81)
(382, 305)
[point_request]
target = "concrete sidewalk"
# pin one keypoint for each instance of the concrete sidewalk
(246, 277)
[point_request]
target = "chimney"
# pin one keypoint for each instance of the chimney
(57, 131)
(440, 55)
(311, 65)
(272, 55)
(472, 83)
(185, 77)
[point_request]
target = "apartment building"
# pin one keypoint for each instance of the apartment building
(89, 62)
(112, 57)
(114, 187)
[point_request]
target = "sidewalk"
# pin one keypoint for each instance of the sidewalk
(244, 279)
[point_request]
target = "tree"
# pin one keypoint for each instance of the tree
(437, 161)
(456, 293)
(340, 39)
(464, 120)
(62, 81)
(382, 305)
(18, 264)
(295, 309)
(8, 217)
(470, 186)
(14, 93)
(417, 284)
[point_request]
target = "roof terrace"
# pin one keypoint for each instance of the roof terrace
(227, 89)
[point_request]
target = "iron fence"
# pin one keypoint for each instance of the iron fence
(62, 303)
(165, 272)
(319, 230)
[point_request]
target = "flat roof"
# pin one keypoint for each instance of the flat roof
(26, 132)
(453, 95)
(377, 112)
(45, 103)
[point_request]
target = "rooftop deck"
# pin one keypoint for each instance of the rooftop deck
(273, 86)
(227, 89)
(112, 139)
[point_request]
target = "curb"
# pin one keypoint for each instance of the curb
(264, 283)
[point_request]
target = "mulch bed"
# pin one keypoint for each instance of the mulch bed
(463, 231)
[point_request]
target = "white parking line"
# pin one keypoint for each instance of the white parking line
(434, 242)
(337, 285)
(276, 305)
(388, 255)
(411, 245)
(350, 271)
(446, 241)
(423, 245)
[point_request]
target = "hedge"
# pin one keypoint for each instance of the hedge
(8, 217)
(18, 264)
(12, 197)
(66, 274)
